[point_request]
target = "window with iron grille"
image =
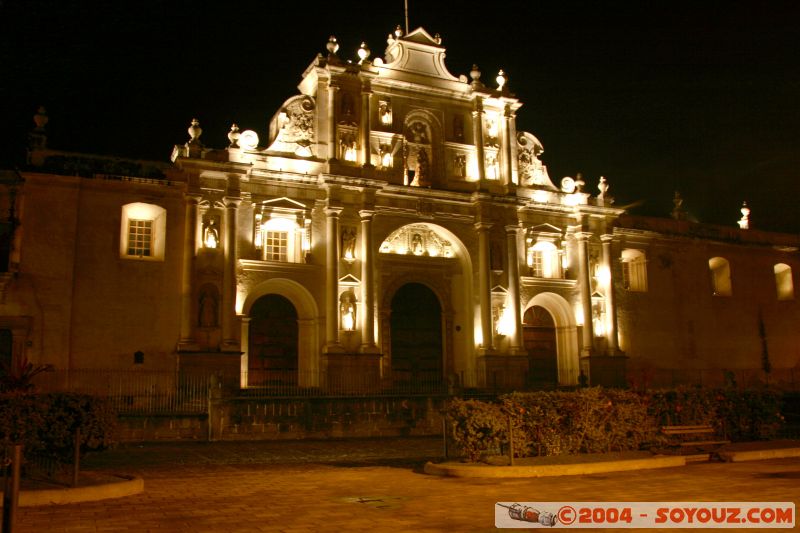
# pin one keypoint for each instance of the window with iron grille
(140, 237)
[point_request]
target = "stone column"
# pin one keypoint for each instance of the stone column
(477, 133)
(245, 362)
(513, 149)
(585, 286)
(229, 341)
(366, 150)
(332, 148)
(367, 283)
(513, 286)
(484, 285)
(611, 303)
(187, 340)
(508, 176)
(332, 279)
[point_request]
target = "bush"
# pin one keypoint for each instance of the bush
(603, 420)
(45, 424)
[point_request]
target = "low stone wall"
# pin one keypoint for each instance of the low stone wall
(307, 418)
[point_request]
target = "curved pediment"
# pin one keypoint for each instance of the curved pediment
(417, 53)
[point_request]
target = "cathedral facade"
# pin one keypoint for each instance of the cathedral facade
(395, 228)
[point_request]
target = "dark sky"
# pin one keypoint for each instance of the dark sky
(703, 97)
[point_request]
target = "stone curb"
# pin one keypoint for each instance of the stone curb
(732, 456)
(126, 486)
(574, 469)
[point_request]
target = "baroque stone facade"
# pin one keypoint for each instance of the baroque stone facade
(395, 224)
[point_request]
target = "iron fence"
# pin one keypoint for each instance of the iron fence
(154, 392)
(133, 392)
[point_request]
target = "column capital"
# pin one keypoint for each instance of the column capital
(512, 228)
(232, 202)
(583, 235)
(366, 214)
(333, 212)
(192, 197)
(483, 226)
(606, 237)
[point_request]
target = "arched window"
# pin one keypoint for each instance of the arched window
(634, 270)
(544, 260)
(720, 276)
(143, 231)
(783, 281)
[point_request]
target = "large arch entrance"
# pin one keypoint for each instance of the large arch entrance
(564, 329)
(272, 342)
(539, 339)
(416, 333)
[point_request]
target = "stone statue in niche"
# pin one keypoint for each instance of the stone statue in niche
(416, 244)
(417, 132)
(208, 308)
(460, 165)
(347, 310)
(211, 234)
(347, 104)
(423, 169)
(348, 243)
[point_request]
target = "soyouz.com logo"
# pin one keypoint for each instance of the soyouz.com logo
(619, 515)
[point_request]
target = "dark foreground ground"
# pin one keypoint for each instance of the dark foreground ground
(362, 485)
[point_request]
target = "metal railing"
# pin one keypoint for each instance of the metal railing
(133, 392)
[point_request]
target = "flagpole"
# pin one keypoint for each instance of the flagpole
(406, 6)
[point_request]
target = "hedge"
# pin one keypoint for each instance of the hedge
(604, 420)
(45, 424)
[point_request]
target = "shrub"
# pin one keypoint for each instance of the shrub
(475, 426)
(45, 424)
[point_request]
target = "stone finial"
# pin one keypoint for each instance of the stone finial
(437, 38)
(363, 52)
(40, 118)
(398, 32)
(602, 187)
(332, 46)
(677, 210)
(501, 80)
(195, 131)
(233, 136)
(744, 222)
(579, 183)
(37, 138)
(475, 74)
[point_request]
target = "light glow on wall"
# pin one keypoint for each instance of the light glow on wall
(541, 196)
(505, 324)
(350, 153)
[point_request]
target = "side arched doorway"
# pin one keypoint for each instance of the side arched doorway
(539, 338)
(416, 337)
(272, 342)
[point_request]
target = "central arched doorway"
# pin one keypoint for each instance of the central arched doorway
(416, 325)
(272, 342)
(539, 337)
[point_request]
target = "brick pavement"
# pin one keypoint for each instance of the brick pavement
(372, 485)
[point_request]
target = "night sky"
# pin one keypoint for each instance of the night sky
(702, 97)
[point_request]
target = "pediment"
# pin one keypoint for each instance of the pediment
(284, 203)
(545, 228)
(349, 280)
(420, 36)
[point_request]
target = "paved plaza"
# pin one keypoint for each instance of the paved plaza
(362, 485)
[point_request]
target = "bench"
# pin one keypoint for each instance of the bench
(700, 437)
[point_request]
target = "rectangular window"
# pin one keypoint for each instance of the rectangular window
(634, 275)
(140, 237)
(277, 246)
(537, 269)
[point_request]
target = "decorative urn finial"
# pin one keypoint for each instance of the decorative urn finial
(501, 80)
(475, 74)
(40, 118)
(744, 222)
(398, 32)
(602, 186)
(363, 52)
(195, 131)
(233, 136)
(332, 46)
